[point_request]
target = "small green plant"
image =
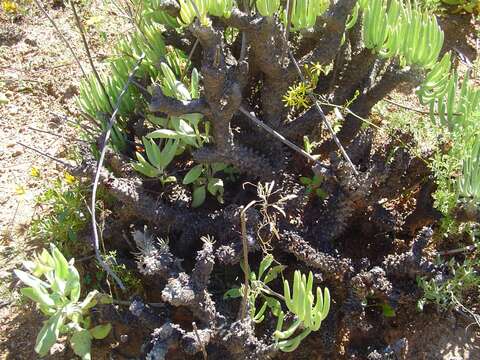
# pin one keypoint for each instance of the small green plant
(313, 185)
(66, 215)
(132, 283)
(203, 178)
(308, 313)
(158, 160)
(297, 95)
(450, 292)
(54, 285)
(464, 5)
(259, 290)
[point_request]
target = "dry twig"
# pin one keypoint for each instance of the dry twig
(195, 330)
(61, 36)
(97, 175)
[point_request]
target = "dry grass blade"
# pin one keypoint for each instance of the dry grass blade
(61, 36)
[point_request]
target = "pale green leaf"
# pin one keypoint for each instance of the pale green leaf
(48, 334)
(199, 195)
(100, 331)
(39, 295)
(193, 174)
(81, 342)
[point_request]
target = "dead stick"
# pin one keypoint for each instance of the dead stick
(458, 251)
(246, 268)
(89, 56)
(195, 330)
(280, 137)
(61, 36)
(54, 134)
(64, 163)
(322, 115)
(97, 176)
(414, 109)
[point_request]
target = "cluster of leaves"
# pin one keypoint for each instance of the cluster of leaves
(455, 113)
(313, 186)
(308, 313)
(395, 29)
(304, 13)
(402, 30)
(54, 285)
(14, 7)
(297, 95)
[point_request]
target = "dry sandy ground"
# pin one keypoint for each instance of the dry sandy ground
(40, 80)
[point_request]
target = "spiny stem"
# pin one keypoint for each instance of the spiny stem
(281, 137)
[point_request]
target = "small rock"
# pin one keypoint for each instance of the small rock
(17, 152)
(30, 42)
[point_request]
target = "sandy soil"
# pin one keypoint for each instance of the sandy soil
(39, 78)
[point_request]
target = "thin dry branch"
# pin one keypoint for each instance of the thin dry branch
(323, 117)
(61, 36)
(64, 163)
(97, 175)
(197, 335)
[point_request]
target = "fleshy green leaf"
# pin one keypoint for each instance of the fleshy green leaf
(100, 331)
(193, 174)
(232, 293)
(387, 310)
(39, 295)
(215, 186)
(30, 280)
(81, 342)
(273, 273)
(264, 265)
(199, 195)
(89, 301)
(164, 134)
(48, 334)
(61, 264)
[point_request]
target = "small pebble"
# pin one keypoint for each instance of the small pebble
(17, 152)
